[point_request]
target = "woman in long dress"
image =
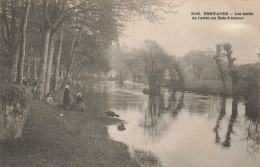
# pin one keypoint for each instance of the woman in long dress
(66, 97)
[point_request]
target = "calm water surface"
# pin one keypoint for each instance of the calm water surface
(190, 130)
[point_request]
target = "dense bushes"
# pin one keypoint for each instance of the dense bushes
(248, 84)
(15, 101)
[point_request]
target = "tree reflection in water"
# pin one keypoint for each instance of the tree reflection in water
(253, 130)
(180, 105)
(154, 121)
(175, 106)
(153, 116)
(220, 117)
(232, 120)
(153, 112)
(252, 115)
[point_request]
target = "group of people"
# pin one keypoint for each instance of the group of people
(68, 100)
(70, 103)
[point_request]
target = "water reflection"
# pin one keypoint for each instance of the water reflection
(181, 128)
(253, 131)
(152, 118)
(180, 105)
(232, 120)
(222, 113)
(153, 112)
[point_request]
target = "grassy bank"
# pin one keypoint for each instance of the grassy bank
(74, 139)
(207, 87)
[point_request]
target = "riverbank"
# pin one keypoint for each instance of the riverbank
(213, 87)
(71, 139)
(207, 87)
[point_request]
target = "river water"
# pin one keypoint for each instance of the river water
(189, 130)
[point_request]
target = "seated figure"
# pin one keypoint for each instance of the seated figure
(49, 100)
(80, 103)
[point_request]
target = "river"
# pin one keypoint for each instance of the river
(188, 130)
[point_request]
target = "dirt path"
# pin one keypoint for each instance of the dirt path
(74, 139)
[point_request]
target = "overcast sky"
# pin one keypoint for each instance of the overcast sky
(178, 33)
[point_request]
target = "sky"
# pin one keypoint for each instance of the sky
(179, 33)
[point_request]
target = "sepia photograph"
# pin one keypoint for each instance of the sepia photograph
(129, 83)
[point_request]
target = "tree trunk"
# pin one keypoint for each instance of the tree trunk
(73, 47)
(14, 66)
(62, 74)
(43, 64)
(35, 68)
(10, 25)
(49, 64)
(232, 69)
(29, 67)
(223, 81)
(57, 59)
(23, 42)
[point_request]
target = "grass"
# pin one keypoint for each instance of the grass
(207, 87)
(74, 139)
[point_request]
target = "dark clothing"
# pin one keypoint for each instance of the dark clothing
(79, 99)
(66, 98)
(80, 103)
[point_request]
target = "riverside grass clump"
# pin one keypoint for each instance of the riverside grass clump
(146, 158)
(15, 102)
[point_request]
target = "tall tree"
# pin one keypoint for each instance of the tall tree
(155, 63)
(10, 27)
(49, 62)
(231, 67)
(198, 62)
(218, 58)
(57, 59)
(49, 15)
(23, 40)
(72, 54)
(177, 82)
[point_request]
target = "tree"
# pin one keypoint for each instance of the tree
(231, 67)
(10, 30)
(248, 82)
(155, 63)
(75, 40)
(104, 19)
(198, 62)
(175, 73)
(218, 58)
(23, 40)
(57, 59)
(48, 15)
(101, 20)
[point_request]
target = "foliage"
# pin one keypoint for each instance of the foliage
(149, 64)
(221, 65)
(155, 61)
(93, 26)
(12, 94)
(175, 73)
(248, 84)
(146, 158)
(4, 75)
(231, 67)
(199, 63)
